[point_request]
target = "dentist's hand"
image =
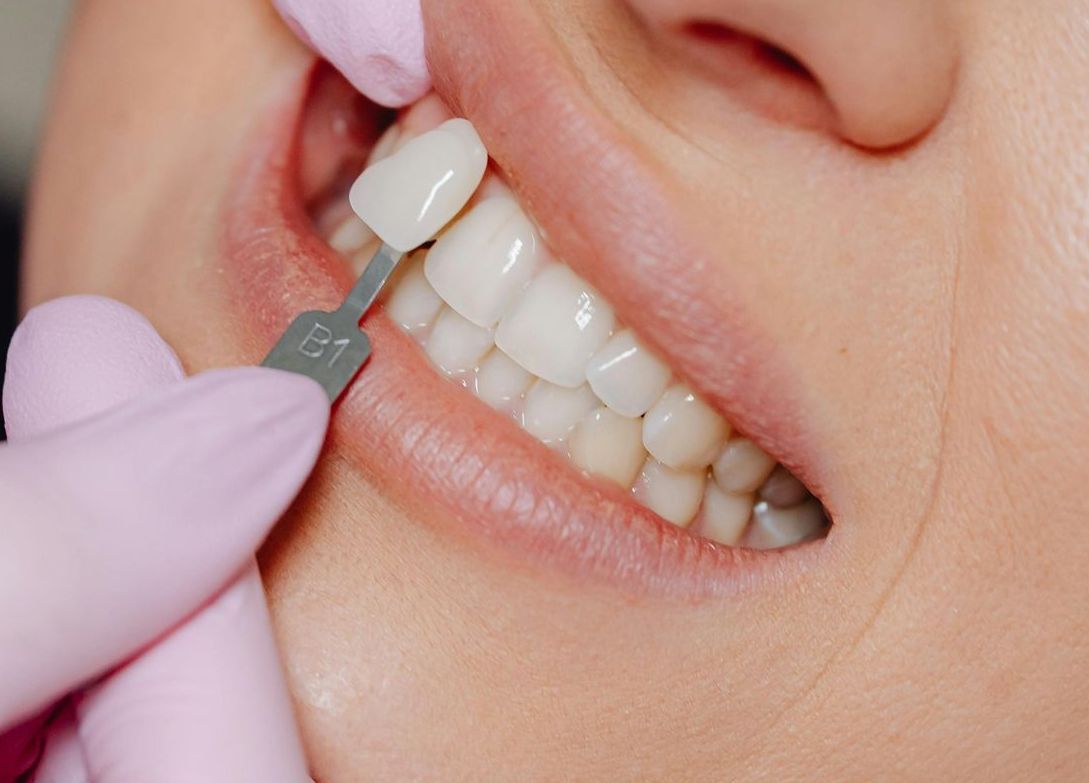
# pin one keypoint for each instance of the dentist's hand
(377, 44)
(131, 502)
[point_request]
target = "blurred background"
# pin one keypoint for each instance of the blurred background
(30, 34)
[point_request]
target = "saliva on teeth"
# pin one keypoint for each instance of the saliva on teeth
(494, 311)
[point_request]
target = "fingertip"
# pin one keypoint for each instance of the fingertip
(76, 356)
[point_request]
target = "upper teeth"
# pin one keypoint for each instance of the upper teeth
(534, 340)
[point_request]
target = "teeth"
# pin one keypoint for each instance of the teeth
(407, 197)
(626, 376)
(350, 236)
(481, 263)
(608, 445)
(556, 325)
(674, 495)
(724, 516)
(742, 466)
(552, 411)
(773, 528)
(682, 431)
(456, 345)
(414, 305)
(386, 145)
(782, 489)
(500, 382)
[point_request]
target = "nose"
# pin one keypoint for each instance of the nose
(885, 66)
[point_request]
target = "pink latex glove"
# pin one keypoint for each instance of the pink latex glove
(126, 555)
(377, 44)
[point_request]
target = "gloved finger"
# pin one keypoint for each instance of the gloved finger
(208, 701)
(117, 528)
(377, 44)
(72, 358)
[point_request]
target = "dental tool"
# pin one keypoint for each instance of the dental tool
(330, 347)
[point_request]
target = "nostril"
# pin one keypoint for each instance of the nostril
(766, 78)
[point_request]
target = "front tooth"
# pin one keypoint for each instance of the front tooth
(609, 445)
(413, 304)
(556, 325)
(551, 411)
(626, 376)
(774, 528)
(481, 263)
(500, 382)
(407, 197)
(674, 495)
(386, 145)
(742, 466)
(682, 431)
(350, 236)
(724, 516)
(456, 345)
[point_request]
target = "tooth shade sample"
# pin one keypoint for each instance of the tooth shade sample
(456, 345)
(742, 466)
(682, 431)
(500, 382)
(413, 303)
(674, 495)
(724, 517)
(773, 528)
(783, 489)
(551, 411)
(626, 376)
(407, 197)
(483, 261)
(350, 235)
(609, 445)
(556, 325)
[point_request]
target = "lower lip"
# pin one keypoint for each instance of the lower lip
(426, 442)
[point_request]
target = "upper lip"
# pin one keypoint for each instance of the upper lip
(605, 212)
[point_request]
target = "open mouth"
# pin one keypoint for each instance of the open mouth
(505, 388)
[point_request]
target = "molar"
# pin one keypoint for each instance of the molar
(782, 489)
(742, 466)
(483, 261)
(556, 325)
(682, 431)
(407, 197)
(609, 445)
(626, 376)
(774, 528)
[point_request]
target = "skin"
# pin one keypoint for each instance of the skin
(908, 227)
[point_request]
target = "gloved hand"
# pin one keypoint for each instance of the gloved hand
(126, 555)
(378, 45)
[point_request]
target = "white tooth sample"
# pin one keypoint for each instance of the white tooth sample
(555, 326)
(724, 516)
(483, 261)
(407, 197)
(683, 431)
(413, 303)
(500, 382)
(783, 489)
(609, 445)
(626, 376)
(350, 235)
(674, 495)
(773, 528)
(456, 345)
(551, 411)
(742, 466)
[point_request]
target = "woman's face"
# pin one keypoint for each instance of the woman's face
(857, 228)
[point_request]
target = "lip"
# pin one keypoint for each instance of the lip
(444, 454)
